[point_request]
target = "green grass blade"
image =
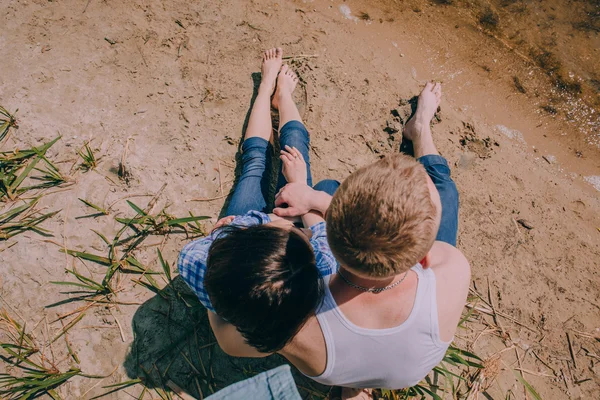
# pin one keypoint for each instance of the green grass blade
(66, 283)
(68, 326)
(529, 388)
(88, 256)
(118, 386)
(429, 392)
(164, 265)
(136, 208)
(7, 216)
(179, 221)
(95, 207)
(84, 280)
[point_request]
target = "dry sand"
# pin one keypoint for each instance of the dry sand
(173, 81)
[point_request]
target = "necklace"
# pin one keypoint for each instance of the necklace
(371, 290)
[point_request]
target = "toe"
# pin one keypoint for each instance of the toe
(279, 52)
(429, 86)
(284, 68)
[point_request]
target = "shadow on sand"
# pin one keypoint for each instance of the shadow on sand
(173, 342)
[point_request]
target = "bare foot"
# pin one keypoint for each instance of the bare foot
(357, 394)
(286, 83)
(271, 65)
(429, 100)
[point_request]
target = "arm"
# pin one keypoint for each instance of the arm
(326, 262)
(453, 277)
(311, 218)
(300, 199)
(230, 339)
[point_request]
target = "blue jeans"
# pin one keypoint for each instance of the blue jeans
(275, 384)
(253, 185)
(439, 172)
(252, 189)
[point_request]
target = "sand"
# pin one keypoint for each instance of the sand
(173, 82)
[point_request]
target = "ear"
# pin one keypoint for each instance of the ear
(426, 261)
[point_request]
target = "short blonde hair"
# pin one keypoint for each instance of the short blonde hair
(382, 220)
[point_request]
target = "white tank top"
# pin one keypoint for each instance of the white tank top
(391, 358)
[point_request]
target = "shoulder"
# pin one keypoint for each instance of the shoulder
(449, 264)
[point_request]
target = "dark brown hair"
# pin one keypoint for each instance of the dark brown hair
(263, 280)
(382, 220)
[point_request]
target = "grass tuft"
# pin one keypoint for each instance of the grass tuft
(31, 374)
(7, 121)
(89, 161)
(16, 166)
(23, 218)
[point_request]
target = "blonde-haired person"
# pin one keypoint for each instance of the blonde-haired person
(391, 310)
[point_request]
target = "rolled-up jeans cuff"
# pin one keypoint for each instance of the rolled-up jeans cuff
(433, 159)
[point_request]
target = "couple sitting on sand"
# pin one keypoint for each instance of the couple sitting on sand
(358, 285)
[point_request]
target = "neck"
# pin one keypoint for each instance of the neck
(369, 282)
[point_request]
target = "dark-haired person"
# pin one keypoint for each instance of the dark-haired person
(259, 276)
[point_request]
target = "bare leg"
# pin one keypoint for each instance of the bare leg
(417, 129)
(259, 124)
(283, 101)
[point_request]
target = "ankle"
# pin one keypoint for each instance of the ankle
(265, 88)
(283, 95)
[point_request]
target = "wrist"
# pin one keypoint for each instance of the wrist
(320, 202)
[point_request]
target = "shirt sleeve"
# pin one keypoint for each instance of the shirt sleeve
(193, 257)
(326, 262)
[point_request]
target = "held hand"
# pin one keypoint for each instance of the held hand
(293, 165)
(297, 196)
(223, 221)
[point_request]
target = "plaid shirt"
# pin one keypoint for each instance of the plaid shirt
(192, 259)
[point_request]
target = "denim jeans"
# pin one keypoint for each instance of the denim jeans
(253, 185)
(252, 188)
(275, 384)
(439, 172)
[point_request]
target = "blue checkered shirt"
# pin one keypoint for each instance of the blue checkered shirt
(192, 259)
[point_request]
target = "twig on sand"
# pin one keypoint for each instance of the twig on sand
(500, 313)
(86, 6)
(571, 350)
(128, 197)
(518, 230)
(179, 391)
(208, 198)
(154, 199)
(534, 373)
(496, 320)
(544, 362)
(119, 325)
(300, 56)
(142, 54)
(220, 180)
(123, 172)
